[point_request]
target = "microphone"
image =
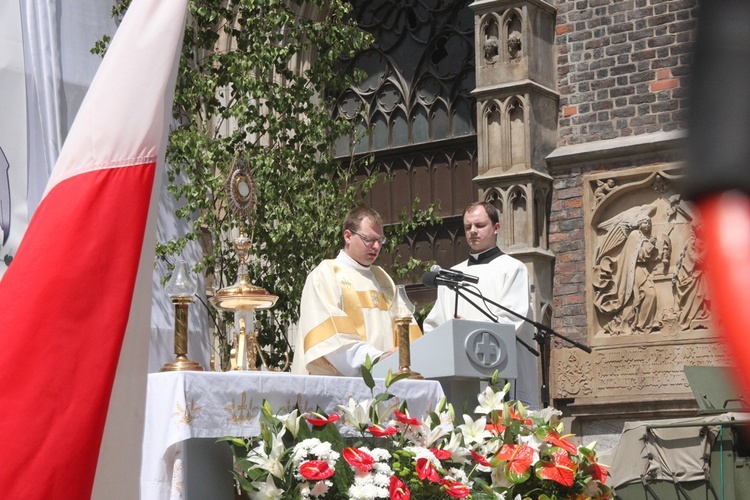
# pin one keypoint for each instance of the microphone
(434, 280)
(453, 275)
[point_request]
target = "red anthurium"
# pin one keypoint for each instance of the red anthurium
(455, 489)
(425, 470)
(358, 459)
(598, 472)
(517, 416)
(479, 459)
(495, 429)
(315, 470)
(441, 454)
(398, 489)
(519, 458)
(557, 440)
(405, 418)
(560, 470)
(379, 431)
(319, 420)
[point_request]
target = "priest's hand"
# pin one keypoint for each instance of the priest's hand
(388, 353)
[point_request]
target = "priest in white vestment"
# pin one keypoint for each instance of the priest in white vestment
(502, 279)
(344, 309)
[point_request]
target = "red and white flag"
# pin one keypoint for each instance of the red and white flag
(65, 301)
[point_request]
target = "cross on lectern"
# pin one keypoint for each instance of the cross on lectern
(486, 350)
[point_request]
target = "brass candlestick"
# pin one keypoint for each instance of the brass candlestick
(404, 349)
(402, 312)
(181, 289)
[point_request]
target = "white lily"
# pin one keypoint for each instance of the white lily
(291, 421)
(269, 462)
(266, 490)
(490, 400)
(545, 414)
(431, 435)
(459, 454)
(357, 414)
(474, 431)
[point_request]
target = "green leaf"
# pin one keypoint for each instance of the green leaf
(367, 376)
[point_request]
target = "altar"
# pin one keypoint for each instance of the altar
(185, 405)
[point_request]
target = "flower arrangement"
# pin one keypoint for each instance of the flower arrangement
(508, 452)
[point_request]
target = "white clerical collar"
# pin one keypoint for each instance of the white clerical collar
(343, 258)
(484, 257)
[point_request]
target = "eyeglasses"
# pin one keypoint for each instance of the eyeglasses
(370, 241)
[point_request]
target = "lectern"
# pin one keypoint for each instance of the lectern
(459, 354)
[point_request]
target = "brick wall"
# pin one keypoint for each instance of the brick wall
(567, 240)
(622, 67)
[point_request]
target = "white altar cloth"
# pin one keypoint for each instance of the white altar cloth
(183, 405)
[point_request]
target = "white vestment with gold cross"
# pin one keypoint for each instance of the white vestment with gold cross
(343, 317)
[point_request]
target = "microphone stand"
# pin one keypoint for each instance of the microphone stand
(542, 336)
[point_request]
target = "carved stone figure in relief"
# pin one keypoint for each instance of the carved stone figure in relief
(490, 44)
(623, 272)
(514, 45)
(691, 302)
(513, 37)
(602, 189)
(490, 50)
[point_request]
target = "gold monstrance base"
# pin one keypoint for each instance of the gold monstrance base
(244, 296)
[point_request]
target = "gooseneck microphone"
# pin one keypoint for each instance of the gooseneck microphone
(433, 280)
(454, 275)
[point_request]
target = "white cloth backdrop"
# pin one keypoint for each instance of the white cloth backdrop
(13, 213)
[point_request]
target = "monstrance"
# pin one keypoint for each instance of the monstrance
(243, 298)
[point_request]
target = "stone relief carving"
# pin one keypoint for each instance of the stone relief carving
(645, 276)
(623, 272)
(573, 376)
(629, 372)
(690, 291)
(602, 189)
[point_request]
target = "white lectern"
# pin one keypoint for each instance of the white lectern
(459, 354)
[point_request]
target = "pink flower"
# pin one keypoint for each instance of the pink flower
(358, 459)
(315, 470)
